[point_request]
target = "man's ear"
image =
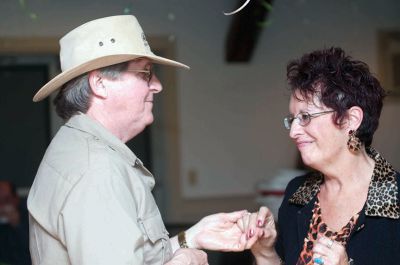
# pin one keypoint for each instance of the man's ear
(355, 117)
(96, 84)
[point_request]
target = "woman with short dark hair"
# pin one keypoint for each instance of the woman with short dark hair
(347, 210)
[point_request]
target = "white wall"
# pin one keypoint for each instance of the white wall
(231, 114)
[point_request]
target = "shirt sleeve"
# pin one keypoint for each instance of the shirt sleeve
(96, 229)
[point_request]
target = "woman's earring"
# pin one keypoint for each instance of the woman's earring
(354, 143)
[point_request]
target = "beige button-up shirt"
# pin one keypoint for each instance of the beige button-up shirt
(91, 202)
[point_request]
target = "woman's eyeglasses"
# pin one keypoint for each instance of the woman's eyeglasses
(304, 118)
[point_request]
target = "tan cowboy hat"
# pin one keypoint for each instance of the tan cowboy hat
(99, 43)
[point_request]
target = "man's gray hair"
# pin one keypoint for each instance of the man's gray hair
(75, 96)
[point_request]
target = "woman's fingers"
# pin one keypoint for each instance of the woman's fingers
(251, 232)
(260, 223)
(329, 251)
(257, 225)
(263, 213)
(324, 245)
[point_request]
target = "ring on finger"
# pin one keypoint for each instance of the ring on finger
(330, 243)
(319, 261)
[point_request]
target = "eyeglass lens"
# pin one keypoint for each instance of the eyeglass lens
(304, 118)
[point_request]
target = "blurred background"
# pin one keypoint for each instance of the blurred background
(218, 141)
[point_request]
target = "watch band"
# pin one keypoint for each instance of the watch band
(182, 240)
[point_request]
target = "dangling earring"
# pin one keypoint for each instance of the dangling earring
(354, 143)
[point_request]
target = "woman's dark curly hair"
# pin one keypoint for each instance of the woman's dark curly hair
(339, 82)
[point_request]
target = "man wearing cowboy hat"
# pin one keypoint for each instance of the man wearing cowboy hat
(91, 200)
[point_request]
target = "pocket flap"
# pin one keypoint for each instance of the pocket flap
(154, 228)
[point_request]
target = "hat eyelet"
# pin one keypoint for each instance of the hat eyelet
(112, 40)
(100, 43)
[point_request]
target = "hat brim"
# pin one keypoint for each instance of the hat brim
(59, 80)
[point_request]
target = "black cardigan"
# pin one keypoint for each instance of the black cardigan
(375, 239)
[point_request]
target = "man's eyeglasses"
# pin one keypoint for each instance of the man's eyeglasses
(148, 74)
(304, 118)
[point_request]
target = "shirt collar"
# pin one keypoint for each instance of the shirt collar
(382, 200)
(85, 124)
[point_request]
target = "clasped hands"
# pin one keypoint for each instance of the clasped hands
(241, 230)
(235, 231)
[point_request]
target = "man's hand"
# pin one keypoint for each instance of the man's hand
(219, 232)
(188, 256)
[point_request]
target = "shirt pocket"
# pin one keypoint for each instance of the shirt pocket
(154, 228)
(158, 235)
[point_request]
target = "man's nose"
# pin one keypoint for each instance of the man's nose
(155, 85)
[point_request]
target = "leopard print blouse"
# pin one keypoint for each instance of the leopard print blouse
(319, 227)
(382, 200)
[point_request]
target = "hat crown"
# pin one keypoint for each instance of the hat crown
(103, 37)
(100, 43)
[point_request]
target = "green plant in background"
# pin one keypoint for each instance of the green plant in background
(266, 5)
(267, 22)
(32, 15)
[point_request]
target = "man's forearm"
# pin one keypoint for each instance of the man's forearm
(174, 243)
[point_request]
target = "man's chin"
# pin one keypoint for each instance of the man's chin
(150, 120)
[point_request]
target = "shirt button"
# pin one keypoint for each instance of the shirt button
(360, 227)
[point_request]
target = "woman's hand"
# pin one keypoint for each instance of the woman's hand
(329, 252)
(259, 228)
(188, 256)
(261, 235)
(218, 232)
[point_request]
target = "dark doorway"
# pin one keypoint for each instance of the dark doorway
(141, 147)
(25, 130)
